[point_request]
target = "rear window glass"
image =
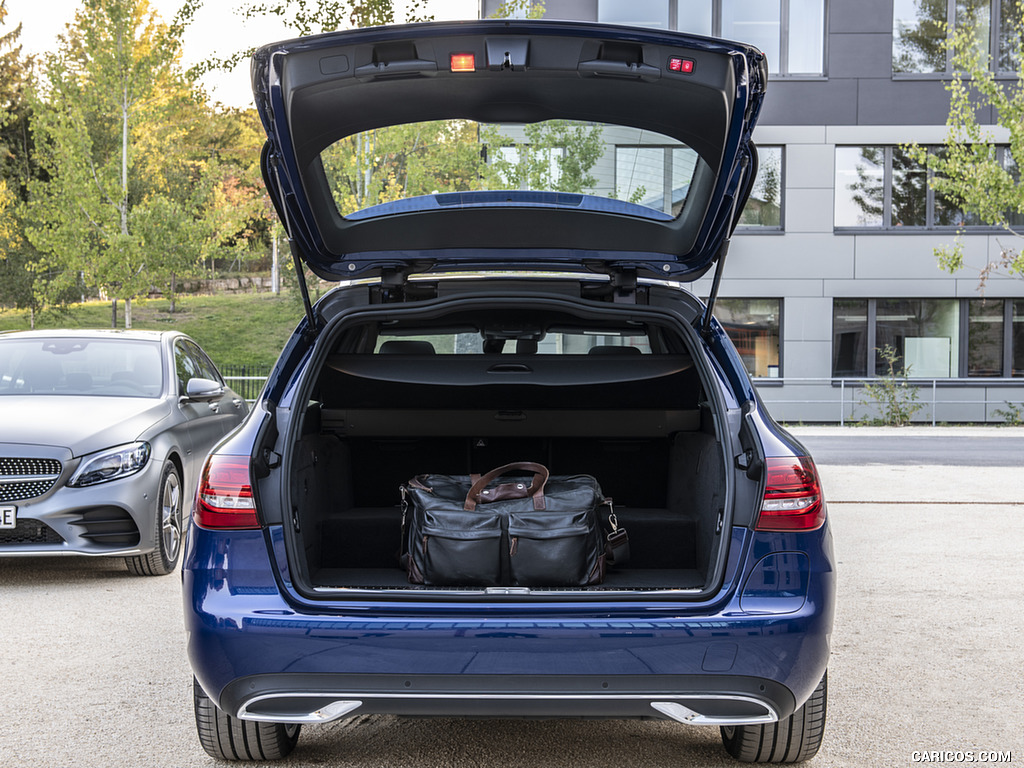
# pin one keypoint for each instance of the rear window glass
(450, 156)
(551, 343)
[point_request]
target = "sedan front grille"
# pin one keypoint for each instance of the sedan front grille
(22, 478)
(30, 531)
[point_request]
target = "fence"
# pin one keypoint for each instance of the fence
(818, 400)
(843, 401)
(246, 378)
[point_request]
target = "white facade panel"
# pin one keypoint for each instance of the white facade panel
(791, 256)
(807, 319)
(808, 210)
(810, 166)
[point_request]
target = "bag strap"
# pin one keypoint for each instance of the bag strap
(616, 545)
(535, 489)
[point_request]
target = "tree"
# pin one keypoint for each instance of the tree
(971, 172)
(555, 155)
(16, 167)
(306, 17)
(112, 118)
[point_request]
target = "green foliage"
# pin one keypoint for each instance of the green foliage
(968, 171)
(556, 155)
(17, 168)
(141, 182)
(520, 9)
(1012, 415)
(891, 396)
(233, 329)
(401, 161)
(305, 17)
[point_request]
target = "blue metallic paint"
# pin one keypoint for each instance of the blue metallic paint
(240, 624)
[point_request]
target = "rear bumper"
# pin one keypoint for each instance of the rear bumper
(753, 655)
(694, 700)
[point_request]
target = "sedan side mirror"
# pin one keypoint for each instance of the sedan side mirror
(203, 390)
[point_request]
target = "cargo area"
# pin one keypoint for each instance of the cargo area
(625, 405)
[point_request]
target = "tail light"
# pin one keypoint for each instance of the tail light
(792, 496)
(224, 499)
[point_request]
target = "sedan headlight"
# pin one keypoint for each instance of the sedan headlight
(111, 464)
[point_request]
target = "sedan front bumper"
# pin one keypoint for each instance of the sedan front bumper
(113, 518)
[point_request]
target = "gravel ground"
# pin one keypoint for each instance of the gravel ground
(927, 655)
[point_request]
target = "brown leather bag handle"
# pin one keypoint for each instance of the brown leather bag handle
(536, 488)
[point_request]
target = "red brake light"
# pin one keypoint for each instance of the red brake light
(224, 499)
(792, 496)
(463, 62)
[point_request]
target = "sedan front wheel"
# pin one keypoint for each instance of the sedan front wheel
(169, 528)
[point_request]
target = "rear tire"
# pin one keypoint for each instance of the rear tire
(791, 740)
(169, 528)
(225, 737)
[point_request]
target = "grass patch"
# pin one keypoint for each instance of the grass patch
(232, 328)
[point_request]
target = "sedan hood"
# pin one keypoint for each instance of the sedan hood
(697, 95)
(80, 424)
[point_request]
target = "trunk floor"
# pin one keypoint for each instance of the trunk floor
(626, 578)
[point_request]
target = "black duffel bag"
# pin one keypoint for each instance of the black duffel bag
(529, 530)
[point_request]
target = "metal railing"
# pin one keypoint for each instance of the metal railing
(246, 378)
(843, 400)
(823, 399)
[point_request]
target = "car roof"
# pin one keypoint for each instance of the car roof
(91, 333)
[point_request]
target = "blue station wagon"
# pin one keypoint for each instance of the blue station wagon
(515, 213)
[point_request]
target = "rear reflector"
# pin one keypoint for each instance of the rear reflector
(224, 499)
(792, 496)
(463, 62)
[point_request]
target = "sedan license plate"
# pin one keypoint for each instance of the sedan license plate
(8, 517)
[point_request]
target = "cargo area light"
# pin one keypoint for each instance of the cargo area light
(463, 62)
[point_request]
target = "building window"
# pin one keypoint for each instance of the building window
(923, 332)
(1017, 338)
(637, 13)
(883, 187)
(764, 207)
(790, 32)
(932, 338)
(850, 337)
(753, 326)
(919, 33)
(985, 338)
(644, 173)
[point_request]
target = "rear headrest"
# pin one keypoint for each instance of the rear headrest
(613, 349)
(406, 347)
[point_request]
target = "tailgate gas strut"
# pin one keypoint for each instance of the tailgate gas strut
(742, 193)
(270, 169)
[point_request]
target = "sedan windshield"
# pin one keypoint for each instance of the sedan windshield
(77, 366)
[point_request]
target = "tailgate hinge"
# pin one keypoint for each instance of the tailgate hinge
(622, 288)
(394, 286)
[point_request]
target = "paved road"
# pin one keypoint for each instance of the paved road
(939, 446)
(926, 656)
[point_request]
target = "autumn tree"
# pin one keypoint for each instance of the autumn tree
(106, 133)
(17, 167)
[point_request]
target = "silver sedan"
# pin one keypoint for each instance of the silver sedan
(102, 434)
